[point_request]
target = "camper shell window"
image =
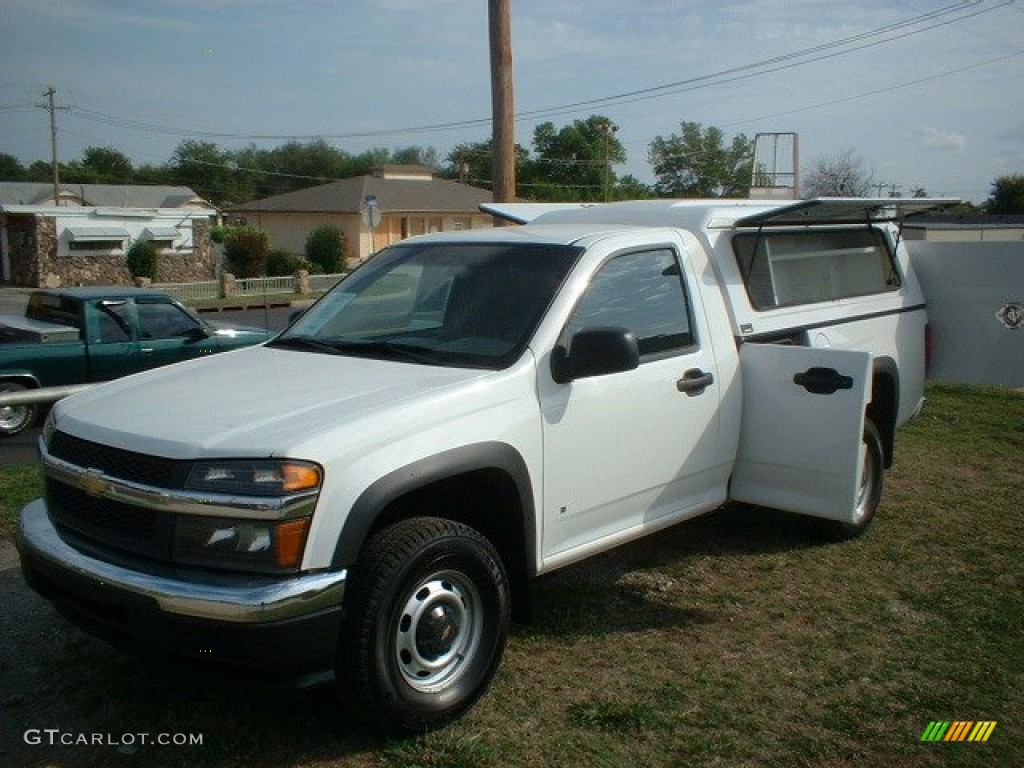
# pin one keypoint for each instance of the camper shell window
(790, 268)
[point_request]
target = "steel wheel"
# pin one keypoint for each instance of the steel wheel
(439, 628)
(872, 476)
(15, 418)
(427, 613)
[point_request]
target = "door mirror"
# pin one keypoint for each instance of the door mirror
(595, 352)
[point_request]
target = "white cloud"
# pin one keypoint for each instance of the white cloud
(932, 138)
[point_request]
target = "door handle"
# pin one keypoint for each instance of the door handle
(695, 381)
(823, 381)
(146, 350)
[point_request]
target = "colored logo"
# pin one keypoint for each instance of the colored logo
(958, 730)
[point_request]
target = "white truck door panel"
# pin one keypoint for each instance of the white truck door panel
(628, 451)
(801, 446)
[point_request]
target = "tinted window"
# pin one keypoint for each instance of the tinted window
(164, 321)
(439, 303)
(644, 293)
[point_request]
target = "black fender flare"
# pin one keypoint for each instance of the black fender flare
(884, 407)
(442, 466)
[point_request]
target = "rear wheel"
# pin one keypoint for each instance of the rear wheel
(872, 476)
(15, 418)
(426, 623)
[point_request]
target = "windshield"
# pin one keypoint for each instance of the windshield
(460, 305)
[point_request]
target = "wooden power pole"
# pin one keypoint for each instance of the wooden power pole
(52, 109)
(503, 108)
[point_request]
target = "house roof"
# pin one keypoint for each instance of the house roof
(972, 221)
(101, 195)
(397, 189)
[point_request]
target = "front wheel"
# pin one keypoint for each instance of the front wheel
(15, 418)
(426, 623)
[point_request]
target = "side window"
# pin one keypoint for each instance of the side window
(164, 321)
(643, 292)
(791, 268)
(114, 322)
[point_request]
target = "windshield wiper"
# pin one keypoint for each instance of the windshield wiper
(304, 342)
(388, 349)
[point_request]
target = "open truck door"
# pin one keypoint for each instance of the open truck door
(801, 442)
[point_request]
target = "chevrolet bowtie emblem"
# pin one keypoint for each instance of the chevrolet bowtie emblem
(93, 483)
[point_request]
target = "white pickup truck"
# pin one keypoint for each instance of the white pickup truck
(366, 496)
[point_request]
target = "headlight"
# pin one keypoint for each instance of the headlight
(253, 478)
(49, 427)
(232, 543)
(251, 545)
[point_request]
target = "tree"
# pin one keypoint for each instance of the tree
(143, 259)
(1007, 195)
(841, 175)
(107, 166)
(473, 163)
(210, 172)
(325, 249)
(246, 250)
(574, 163)
(11, 168)
(425, 156)
(697, 163)
(631, 188)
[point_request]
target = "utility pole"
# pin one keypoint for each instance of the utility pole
(502, 102)
(609, 129)
(49, 107)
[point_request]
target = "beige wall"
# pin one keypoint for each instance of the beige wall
(288, 231)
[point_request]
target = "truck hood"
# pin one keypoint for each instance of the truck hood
(258, 401)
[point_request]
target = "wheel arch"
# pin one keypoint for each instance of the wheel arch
(884, 405)
(24, 378)
(486, 486)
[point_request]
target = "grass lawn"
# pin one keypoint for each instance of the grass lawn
(739, 639)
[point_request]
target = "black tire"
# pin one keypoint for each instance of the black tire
(15, 418)
(872, 478)
(426, 622)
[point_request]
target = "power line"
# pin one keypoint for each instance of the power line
(889, 33)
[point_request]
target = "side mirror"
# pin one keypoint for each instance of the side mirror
(595, 352)
(197, 334)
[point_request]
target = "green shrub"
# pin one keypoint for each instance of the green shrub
(325, 249)
(280, 263)
(246, 250)
(218, 233)
(143, 259)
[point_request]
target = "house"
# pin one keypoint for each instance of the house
(81, 235)
(401, 200)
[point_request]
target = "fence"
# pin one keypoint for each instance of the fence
(229, 286)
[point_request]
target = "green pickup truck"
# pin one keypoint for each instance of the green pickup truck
(78, 336)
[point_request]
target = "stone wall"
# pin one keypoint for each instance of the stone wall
(196, 266)
(23, 241)
(35, 263)
(59, 271)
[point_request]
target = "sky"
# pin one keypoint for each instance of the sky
(923, 94)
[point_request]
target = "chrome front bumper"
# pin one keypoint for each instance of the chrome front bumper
(233, 600)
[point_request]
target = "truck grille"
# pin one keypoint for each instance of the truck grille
(111, 524)
(126, 465)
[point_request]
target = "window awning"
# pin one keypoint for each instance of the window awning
(161, 233)
(96, 234)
